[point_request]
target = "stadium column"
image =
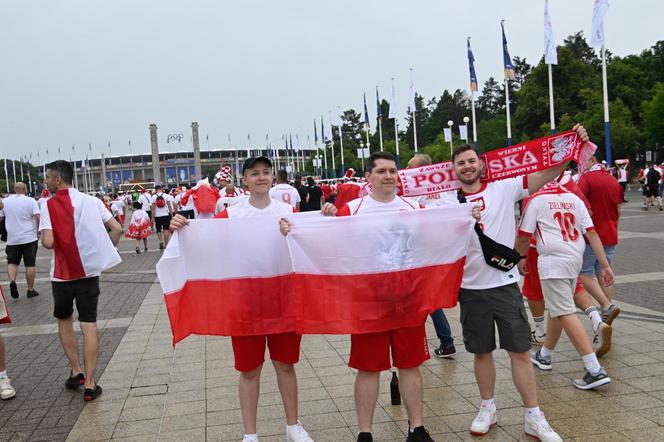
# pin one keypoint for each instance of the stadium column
(197, 151)
(155, 154)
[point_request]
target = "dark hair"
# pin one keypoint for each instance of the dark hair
(282, 176)
(63, 168)
(382, 155)
(310, 181)
(463, 148)
(137, 205)
(115, 195)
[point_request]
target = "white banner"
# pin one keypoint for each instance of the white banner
(363, 153)
(550, 52)
(448, 134)
(463, 132)
(597, 30)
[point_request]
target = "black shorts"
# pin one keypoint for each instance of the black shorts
(26, 251)
(86, 294)
(189, 214)
(149, 212)
(483, 310)
(162, 223)
(651, 190)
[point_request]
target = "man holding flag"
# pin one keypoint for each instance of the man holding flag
(490, 297)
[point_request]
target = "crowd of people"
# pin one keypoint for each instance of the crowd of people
(563, 226)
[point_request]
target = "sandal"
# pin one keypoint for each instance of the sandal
(90, 394)
(74, 381)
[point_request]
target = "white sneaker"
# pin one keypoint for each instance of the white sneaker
(296, 433)
(540, 429)
(6, 389)
(486, 418)
(250, 438)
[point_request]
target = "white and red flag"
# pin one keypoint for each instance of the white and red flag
(357, 274)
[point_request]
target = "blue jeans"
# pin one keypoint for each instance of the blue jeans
(442, 327)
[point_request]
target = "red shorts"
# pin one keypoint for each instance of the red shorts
(532, 289)
(371, 351)
(249, 351)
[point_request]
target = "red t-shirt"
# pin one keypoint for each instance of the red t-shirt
(605, 196)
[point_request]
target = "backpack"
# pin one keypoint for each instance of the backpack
(160, 201)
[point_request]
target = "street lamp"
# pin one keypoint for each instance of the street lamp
(465, 121)
(450, 123)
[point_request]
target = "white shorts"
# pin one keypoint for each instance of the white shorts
(559, 296)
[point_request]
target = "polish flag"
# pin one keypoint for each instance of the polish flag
(82, 247)
(359, 274)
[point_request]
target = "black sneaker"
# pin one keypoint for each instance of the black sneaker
(445, 351)
(91, 394)
(591, 381)
(138, 251)
(419, 434)
(161, 246)
(539, 361)
(13, 290)
(364, 437)
(32, 293)
(75, 381)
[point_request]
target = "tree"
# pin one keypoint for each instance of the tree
(653, 116)
(489, 104)
(582, 51)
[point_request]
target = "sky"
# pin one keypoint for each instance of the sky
(81, 72)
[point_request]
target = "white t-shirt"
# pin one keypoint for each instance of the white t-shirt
(117, 207)
(285, 193)
(558, 219)
(622, 175)
(92, 244)
(367, 204)
(162, 211)
(146, 201)
(226, 201)
(19, 219)
(497, 200)
(244, 209)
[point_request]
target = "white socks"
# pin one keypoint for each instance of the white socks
(488, 403)
(545, 352)
(591, 363)
(593, 314)
(3, 374)
(540, 325)
(533, 412)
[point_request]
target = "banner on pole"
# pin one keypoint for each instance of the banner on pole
(448, 134)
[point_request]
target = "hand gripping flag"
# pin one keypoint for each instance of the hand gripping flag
(390, 271)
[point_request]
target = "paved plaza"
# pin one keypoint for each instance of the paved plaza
(154, 392)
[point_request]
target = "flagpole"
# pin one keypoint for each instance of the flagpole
(379, 117)
(396, 139)
(551, 110)
(6, 176)
(14, 170)
(607, 122)
(341, 142)
(414, 130)
(509, 71)
(472, 102)
(334, 166)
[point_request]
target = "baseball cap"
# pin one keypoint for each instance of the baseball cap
(249, 162)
